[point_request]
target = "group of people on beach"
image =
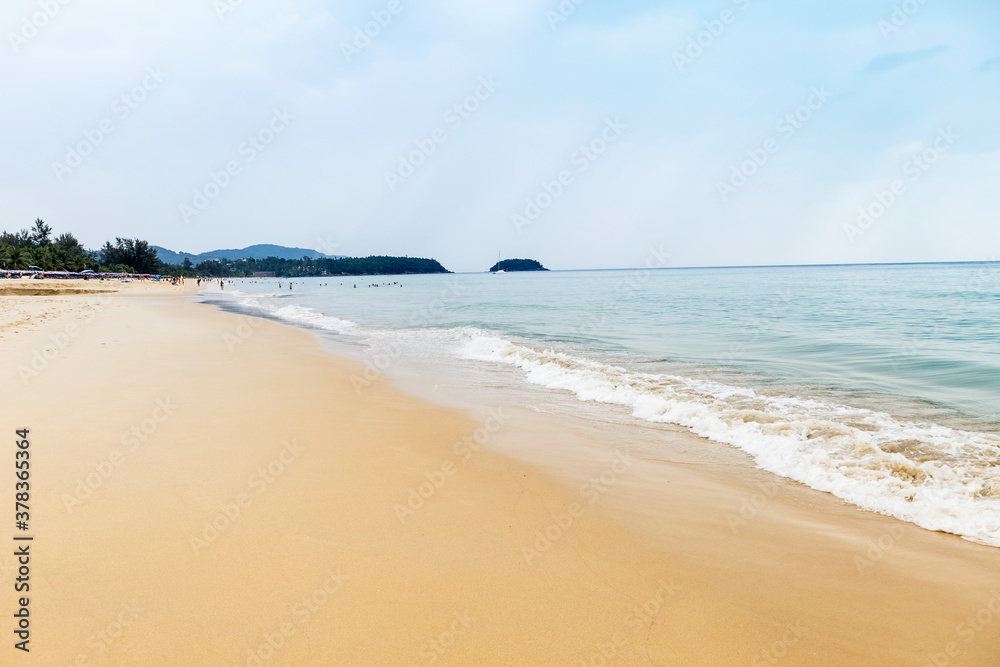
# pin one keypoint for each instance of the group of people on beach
(222, 283)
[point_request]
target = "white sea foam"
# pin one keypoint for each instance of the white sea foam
(296, 314)
(249, 295)
(934, 476)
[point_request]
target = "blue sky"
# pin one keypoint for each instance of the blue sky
(309, 130)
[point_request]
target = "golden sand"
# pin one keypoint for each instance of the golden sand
(211, 489)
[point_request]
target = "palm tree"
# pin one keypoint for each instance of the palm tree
(14, 258)
(67, 261)
(35, 257)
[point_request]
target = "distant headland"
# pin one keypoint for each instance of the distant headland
(262, 251)
(517, 265)
(37, 251)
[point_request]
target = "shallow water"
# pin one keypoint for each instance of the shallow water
(879, 384)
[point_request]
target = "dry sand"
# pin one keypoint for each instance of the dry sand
(214, 490)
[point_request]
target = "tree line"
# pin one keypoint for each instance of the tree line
(35, 247)
(307, 266)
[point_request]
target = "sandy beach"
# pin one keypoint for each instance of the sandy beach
(213, 489)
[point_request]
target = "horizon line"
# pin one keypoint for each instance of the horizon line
(762, 266)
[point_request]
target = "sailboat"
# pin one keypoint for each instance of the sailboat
(499, 270)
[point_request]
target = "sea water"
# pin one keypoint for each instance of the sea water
(878, 384)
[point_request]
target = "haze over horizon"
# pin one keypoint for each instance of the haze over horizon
(224, 124)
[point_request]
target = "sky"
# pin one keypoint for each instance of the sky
(581, 133)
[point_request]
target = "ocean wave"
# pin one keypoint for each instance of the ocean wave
(934, 476)
(296, 314)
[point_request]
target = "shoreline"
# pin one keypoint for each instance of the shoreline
(517, 561)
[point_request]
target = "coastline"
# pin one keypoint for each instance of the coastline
(503, 561)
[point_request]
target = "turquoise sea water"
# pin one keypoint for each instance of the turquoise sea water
(880, 384)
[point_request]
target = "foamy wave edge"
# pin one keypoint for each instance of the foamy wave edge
(950, 481)
(297, 315)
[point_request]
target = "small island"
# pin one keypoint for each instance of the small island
(517, 265)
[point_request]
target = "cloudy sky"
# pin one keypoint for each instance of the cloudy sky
(726, 132)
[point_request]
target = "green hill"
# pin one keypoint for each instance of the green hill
(306, 267)
(518, 265)
(261, 251)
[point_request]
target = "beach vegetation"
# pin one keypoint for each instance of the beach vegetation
(35, 247)
(518, 265)
(38, 247)
(312, 266)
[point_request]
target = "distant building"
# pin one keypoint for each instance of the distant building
(263, 274)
